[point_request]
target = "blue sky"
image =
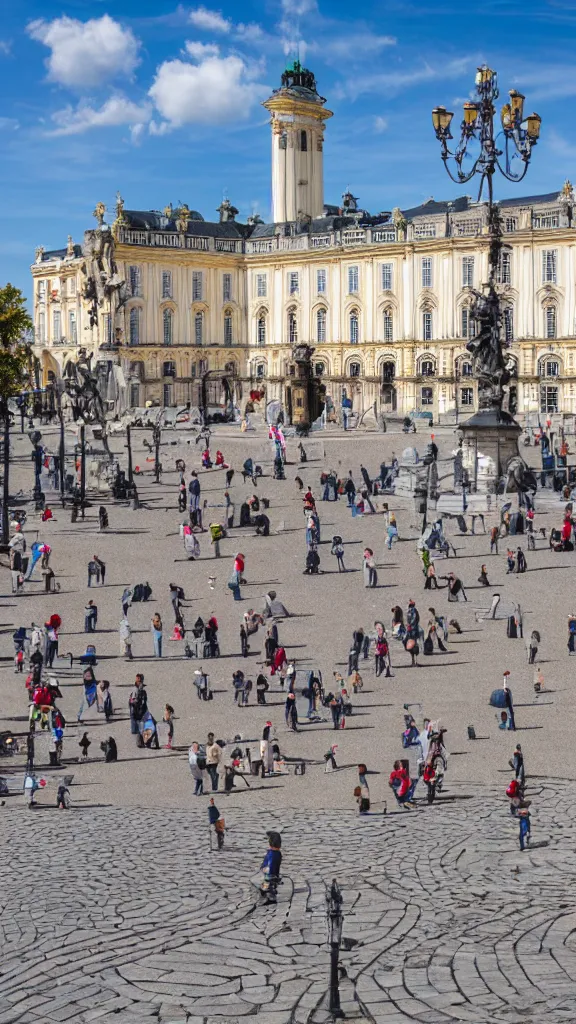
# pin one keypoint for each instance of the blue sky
(162, 102)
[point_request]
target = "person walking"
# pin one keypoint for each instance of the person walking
(337, 549)
(494, 535)
(213, 758)
(517, 763)
(137, 704)
(521, 564)
(381, 652)
(523, 815)
(483, 577)
(216, 822)
(271, 867)
(90, 617)
(194, 491)
(101, 567)
(350, 489)
(126, 600)
(197, 765)
(156, 630)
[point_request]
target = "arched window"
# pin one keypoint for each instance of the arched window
(303, 140)
(321, 325)
(388, 371)
(388, 325)
(427, 368)
(292, 327)
(167, 322)
(550, 322)
(169, 369)
(354, 327)
(549, 367)
(354, 369)
(199, 328)
(135, 326)
(261, 329)
(227, 326)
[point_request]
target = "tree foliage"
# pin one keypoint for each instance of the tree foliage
(14, 353)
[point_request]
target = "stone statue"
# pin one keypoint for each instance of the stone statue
(168, 211)
(99, 212)
(227, 211)
(399, 222)
(519, 477)
(103, 286)
(486, 349)
(39, 253)
(121, 218)
(70, 247)
(182, 218)
(81, 384)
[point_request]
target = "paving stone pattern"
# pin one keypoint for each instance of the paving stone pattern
(124, 915)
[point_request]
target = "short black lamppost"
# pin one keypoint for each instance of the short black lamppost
(335, 920)
(486, 151)
(129, 448)
(156, 441)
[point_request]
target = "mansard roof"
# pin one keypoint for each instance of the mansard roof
(60, 254)
(153, 220)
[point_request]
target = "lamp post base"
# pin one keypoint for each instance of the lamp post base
(490, 441)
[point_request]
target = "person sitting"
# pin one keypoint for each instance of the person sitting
(249, 471)
(402, 785)
(245, 519)
(312, 562)
(206, 460)
(220, 460)
(262, 524)
(178, 632)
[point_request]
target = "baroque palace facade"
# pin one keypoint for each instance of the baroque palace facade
(384, 299)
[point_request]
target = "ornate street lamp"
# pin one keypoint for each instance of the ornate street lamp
(508, 151)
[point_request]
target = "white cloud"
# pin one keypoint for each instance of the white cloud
(86, 54)
(5, 47)
(118, 110)
(394, 82)
(250, 33)
(380, 124)
(200, 50)
(210, 21)
(217, 90)
(356, 45)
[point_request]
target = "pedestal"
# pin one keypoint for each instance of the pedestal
(490, 440)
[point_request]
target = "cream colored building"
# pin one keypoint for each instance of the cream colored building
(383, 298)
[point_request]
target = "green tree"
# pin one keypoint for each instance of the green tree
(14, 362)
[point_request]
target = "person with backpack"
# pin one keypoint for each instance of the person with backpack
(216, 535)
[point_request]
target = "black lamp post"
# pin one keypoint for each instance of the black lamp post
(335, 920)
(511, 156)
(129, 448)
(156, 440)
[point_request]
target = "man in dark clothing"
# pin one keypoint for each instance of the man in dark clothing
(194, 489)
(214, 819)
(138, 703)
(350, 489)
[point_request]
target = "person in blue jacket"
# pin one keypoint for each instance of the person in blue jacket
(271, 867)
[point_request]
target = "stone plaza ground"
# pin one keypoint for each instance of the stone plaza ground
(118, 910)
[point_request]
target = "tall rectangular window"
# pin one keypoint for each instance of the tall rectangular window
(293, 282)
(550, 313)
(504, 272)
(135, 280)
(387, 277)
(509, 325)
(427, 326)
(352, 280)
(549, 263)
(42, 327)
(261, 286)
(468, 323)
(426, 271)
(467, 271)
(72, 332)
(198, 328)
(388, 326)
(226, 287)
(72, 286)
(167, 324)
(56, 325)
(321, 282)
(107, 329)
(227, 329)
(166, 284)
(135, 326)
(467, 396)
(41, 290)
(196, 285)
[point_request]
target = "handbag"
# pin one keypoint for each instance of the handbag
(428, 646)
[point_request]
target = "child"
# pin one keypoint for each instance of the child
(216, 822)
(169, 718)
(271, 868)
(510, 562)
(19, 661)
(84, 744)
(63, 797)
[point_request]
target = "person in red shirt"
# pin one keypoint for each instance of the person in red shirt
(239, 567)
(401, 783)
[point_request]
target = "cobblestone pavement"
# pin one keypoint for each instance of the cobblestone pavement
(124, 915)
